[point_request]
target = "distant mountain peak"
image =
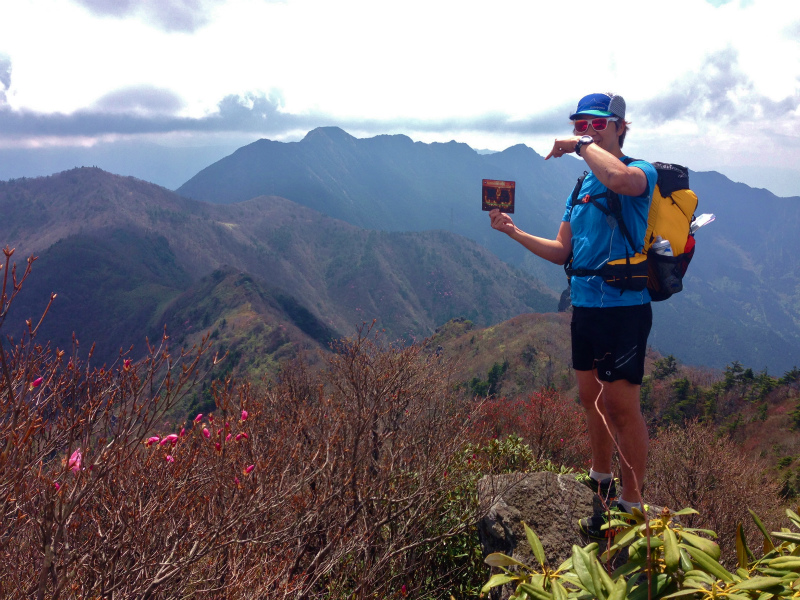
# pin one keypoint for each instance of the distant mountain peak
(335, 134)
(520, 149)
(96, 174)
(452, 144)
(394, 138)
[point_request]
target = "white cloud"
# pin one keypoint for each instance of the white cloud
(169, 15)
(5, 70)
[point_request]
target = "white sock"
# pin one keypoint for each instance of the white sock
(600, 477)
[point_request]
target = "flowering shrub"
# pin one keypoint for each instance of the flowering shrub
(327, 484)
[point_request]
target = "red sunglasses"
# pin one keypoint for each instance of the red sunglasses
(598, 124)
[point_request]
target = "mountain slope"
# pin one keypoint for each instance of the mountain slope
(256, 327)
(117, 250)
(391, 183)
(109, 286)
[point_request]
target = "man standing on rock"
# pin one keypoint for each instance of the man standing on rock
(610, 323)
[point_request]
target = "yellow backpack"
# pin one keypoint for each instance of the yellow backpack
(668, 241)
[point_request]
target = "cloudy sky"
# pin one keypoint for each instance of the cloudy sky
(713, 84)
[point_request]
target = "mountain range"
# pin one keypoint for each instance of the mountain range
(321, 235)
(391, 183)
(127, 257)
(742, 298)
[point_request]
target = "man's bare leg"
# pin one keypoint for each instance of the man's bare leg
(618, 402)
(601, 443)
(623, 409)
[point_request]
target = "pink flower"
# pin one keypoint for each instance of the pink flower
(198, 418)
(219, 431)
(227, 425)
(206, 432)
(152, 440)
(58, 487)
(126, 364)
(218, 446)
(403, 590)
(75, 461)
(211, 418)
(242, 435)
(236, 480)
(228, 437)
(37, 382)
(244, 415)
(183, 432)
(170, 439)
(169, 458)
(249, 469)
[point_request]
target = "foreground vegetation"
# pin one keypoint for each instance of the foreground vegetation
(355, 480)
(662, 559)
(335, 485)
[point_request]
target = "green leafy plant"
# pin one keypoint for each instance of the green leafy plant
(665, 560)
(539, 581)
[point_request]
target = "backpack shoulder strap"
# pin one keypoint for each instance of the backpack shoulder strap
(614, 207)
(617, 214)
(575, 191)
(593, 199)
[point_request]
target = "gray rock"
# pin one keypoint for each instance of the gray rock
(550, 504)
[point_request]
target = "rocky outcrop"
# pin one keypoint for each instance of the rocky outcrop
(550, 504)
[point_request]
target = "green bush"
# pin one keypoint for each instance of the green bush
(665, 560)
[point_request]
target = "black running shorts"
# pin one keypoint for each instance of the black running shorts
(613, 340)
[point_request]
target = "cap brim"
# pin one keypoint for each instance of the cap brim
(591, 113)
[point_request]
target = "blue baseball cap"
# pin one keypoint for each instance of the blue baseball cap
(601, 105)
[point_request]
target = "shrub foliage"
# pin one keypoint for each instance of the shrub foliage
(662, 559)
(337, 483)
